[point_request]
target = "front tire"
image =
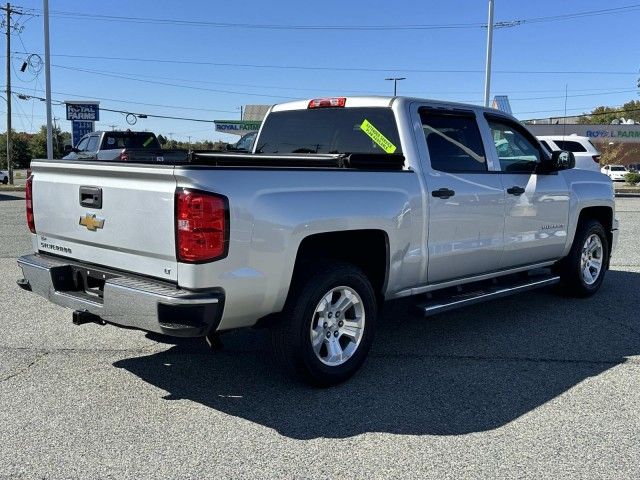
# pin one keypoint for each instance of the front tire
(327, 326)
(582, 271)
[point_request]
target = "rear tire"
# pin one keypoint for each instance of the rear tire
(327, 326)
(582, 271)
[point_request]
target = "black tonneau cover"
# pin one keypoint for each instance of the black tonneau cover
(361, 161)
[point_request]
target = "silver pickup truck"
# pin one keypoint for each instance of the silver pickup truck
(344, 203)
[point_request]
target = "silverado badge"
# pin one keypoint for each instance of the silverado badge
(91, 222)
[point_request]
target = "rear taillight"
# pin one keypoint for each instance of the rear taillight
(596, 158)
(124, 157)
(327, 102)
(28, 190)
(202, 226)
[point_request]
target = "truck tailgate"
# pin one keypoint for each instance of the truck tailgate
(117, 215)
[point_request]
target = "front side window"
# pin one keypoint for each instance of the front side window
(517, 153)
(454, 142)
(92, 145)
(82, 144)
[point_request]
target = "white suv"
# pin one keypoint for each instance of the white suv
(587, 157)
(615, 172)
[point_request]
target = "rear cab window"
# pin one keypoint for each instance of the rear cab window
(330, 131)
(119, 140)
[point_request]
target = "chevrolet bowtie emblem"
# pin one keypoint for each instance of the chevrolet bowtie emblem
(91, 222)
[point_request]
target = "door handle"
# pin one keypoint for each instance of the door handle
(517, 191)
(443, 193)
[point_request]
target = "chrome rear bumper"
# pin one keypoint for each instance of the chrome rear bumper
(122, 299)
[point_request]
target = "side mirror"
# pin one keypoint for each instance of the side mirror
(560, 160)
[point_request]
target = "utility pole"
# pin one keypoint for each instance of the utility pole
(395, 83)
(487, 72)
(241, 112)
(113, 127)
(9, 11)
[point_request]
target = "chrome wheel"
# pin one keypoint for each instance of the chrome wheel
(337, 326)
(591, 259)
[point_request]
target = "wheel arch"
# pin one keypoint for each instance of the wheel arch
(368, 249)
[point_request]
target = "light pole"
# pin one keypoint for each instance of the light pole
(395, 83)
(487, 72)
(47, 76)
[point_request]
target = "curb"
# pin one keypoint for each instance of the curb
(17, 188)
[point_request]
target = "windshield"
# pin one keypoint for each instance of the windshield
(116, 140)
(330, 130)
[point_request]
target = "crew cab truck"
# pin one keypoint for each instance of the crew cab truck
(343, 204)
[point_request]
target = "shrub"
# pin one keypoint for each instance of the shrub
(632, 178)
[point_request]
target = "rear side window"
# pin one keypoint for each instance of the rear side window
(119, 140)
(330, 130)
(454, 142)
(570, 146)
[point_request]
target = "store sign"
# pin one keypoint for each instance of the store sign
(237, 127)
(79, 129)
(89, 111)
(597, 133)
(613, 133)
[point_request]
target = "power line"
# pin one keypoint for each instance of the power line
(598, 114)
(156, 82)
(94, 97)
(341, 69)
(314, 27)
(125, 112)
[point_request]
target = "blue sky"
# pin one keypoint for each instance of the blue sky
(601, 44)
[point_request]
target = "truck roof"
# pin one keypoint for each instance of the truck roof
(124, 132)
(382, 101)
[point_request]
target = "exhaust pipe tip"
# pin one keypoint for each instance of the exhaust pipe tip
(24, 284)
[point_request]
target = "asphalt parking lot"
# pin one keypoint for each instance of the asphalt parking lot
(535, 386)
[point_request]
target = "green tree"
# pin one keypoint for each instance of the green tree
(605, 115)
(38, 143)
(20, 151)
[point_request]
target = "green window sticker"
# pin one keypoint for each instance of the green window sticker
(377, 136)
(147, 142)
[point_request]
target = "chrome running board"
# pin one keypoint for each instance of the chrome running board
(473, 293)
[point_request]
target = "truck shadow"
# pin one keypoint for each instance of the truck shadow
(10, 196)
(467, 371)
